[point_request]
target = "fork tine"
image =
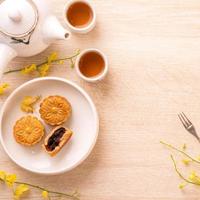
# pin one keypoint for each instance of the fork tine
(180, 117)
(189, 122)
(185, 121)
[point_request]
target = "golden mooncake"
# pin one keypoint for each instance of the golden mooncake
(55, 110)
(57, 138)
(28, 130)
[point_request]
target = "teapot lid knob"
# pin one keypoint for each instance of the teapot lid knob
(15, 15)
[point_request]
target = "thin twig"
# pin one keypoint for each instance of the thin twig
(49, 191)
(179, 173)
(180, 151)
(70, 58)
(72, 196)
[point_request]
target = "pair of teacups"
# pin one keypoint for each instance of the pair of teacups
(77, 6)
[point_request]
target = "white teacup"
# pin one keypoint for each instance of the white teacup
(100, 75)
(86, 28)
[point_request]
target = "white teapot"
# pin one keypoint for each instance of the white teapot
(27, 27)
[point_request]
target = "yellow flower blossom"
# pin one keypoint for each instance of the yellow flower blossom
(27, 104)
(182, 185)
(186, 161)
(77, 51)
(52, 57)
(43, 70)
(45, 194)
(2, 175)
(194, 178)
(184, 147)
(61, 62)
(20, 190)
(10, 179)
(3, 87)
(29, 69)
(198, 157)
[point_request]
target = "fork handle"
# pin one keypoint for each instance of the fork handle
(197, 137)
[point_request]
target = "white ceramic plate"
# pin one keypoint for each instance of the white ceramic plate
(84, 122)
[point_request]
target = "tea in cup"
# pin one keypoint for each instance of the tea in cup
(80, 16)
(91, 65)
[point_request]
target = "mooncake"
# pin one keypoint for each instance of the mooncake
(28, 130)
(55, 110)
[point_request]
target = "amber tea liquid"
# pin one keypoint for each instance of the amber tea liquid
(79, 14)
(91, 64)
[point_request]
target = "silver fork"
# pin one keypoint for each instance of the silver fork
(188, 125)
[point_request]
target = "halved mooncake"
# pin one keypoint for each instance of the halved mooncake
(58, 137)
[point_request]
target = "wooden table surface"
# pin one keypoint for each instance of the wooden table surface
(153, 49)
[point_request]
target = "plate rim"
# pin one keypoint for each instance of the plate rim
(77, 87)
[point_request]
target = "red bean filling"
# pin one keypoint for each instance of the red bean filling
(54, 140)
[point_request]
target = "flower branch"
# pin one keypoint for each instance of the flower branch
(193, 178)
(43, 67)
(19, 188)
(72, 196)
(180, 151)
(179, 173)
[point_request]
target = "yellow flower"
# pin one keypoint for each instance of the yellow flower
(44, 69)
(184, 147)
(198, 158)
(28, 102)
(45, 194)
(2, 175)
(20, 190)
(186, 161)
(10, 179)
(78, 51)
(52, 57)
(29, 69)
(61, 62)
(3, 87)
(194, 178)
(182, 185)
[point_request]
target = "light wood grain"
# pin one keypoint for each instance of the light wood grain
(153, 51)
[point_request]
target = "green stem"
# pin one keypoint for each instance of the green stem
(54, 61)
(49, 191)
(11, 71)
(72, 196)
(179, 173)
(31, 185)
(180, 151)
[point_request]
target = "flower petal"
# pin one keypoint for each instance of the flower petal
(3, 87)
(28, 102)
(10, 179)
(20, 190)
(45, 194)
(52, 57)
(2, 175)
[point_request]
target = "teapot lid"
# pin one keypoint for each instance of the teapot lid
(18, 18)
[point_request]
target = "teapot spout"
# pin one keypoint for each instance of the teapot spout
(6, 54)
(53, 30)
